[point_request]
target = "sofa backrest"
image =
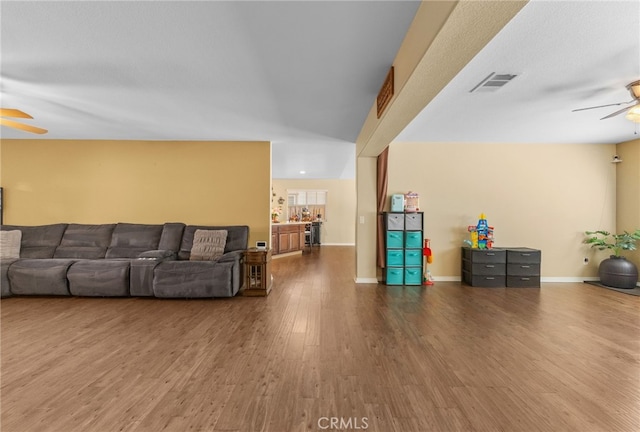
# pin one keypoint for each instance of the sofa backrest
(38, 241)
(130, 240)
(237, 238)
(122, 240)
(85, 241)
(171, 236)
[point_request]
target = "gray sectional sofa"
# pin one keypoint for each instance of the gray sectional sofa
(120, 260)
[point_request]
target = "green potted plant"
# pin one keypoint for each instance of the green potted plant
(615, 271)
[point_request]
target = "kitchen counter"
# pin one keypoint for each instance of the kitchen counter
(289, 237)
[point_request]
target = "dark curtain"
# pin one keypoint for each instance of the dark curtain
(381, 187)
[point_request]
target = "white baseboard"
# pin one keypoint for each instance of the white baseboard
(337, 244)
(568, 279)
(447, 278)
(542, 279)
(366, 280)
(458, 279)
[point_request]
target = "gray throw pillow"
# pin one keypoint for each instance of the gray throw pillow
(10, 244)
(208, 245)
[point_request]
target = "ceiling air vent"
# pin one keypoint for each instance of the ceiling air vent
(492, 83)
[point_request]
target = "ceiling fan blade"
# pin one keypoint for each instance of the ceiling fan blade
(603, 106)
(24, 127)
(619, 112)
(10, 112)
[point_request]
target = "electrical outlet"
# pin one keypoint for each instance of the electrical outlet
(361, 219)
(585, 261)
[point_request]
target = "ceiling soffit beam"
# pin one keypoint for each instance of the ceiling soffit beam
(465, 28)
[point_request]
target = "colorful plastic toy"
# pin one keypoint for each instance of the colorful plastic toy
(428, 259)
(481, 234)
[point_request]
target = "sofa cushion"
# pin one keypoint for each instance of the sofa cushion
(208, 245)
(99, 278)
(237, 238)
(130, 240)
(194, 279)
(10, 244)
(39, 276)
(85, 241)
(38, 241)
(5, 287)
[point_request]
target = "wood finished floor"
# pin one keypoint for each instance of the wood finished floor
(565, 357)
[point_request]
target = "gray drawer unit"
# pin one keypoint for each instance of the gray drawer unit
(516, 267)
(478, 268)
(523, 255)
(484, 267)
(484, 281)
(523, 281)
(495, 255)
(523, 267)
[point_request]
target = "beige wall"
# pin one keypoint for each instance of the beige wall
(48, 181)
(339, 225)
(540, 196)
(366, 171)
(628, 191)
(431, 54)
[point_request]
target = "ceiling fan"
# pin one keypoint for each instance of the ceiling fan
(15, 113)
(633, 113)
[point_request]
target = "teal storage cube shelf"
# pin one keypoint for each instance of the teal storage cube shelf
(395, 275)
(403, 248)
(413, 257)
(395, 257)
(413, 239)
(395, 239)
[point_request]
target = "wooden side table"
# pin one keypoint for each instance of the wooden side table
(257, 270)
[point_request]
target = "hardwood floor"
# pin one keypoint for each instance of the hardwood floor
(322, 353)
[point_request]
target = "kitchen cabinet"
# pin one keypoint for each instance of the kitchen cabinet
(287, 237)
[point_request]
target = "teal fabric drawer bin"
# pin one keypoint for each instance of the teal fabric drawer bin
(394, 239)
(413, 276)
(413, 257)
(395, 275)
(395, 257)
(413, 239)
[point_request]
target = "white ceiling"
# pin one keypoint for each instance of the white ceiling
(304, 74)
(567, 55)
(300, 74)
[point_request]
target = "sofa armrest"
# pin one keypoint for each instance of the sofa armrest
(160, 255)
(231, 256)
